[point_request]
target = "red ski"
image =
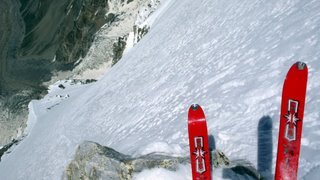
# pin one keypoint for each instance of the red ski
(291, 119)
(199, 145)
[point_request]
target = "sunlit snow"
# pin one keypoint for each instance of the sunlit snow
(229, 56)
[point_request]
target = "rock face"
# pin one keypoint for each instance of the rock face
(44, 41)
(93, 161)
(11, 99)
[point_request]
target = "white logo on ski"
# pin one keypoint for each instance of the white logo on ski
(291, 117)
(199, 152)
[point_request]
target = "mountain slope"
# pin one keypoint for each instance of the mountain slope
(229, 56)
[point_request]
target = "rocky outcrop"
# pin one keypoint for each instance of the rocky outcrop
(113, 39)
(93, 161)
(118, 48)
(5, 149)
(140, 32)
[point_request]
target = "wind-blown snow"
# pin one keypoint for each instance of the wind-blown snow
(229, 56)
(183, 173)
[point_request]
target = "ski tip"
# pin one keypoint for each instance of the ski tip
(194, 107)
(195, 113)
(301, 65)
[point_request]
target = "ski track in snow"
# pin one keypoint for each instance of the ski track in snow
(230, 56)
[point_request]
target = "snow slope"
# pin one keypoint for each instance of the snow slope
(229, 56)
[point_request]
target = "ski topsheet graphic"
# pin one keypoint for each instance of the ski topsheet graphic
(199, 145)
(291, 120)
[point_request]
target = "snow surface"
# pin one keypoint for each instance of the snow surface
(229, 56)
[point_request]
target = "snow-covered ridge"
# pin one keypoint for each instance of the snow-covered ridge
(231, 57)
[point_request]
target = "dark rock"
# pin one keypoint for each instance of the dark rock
(93, 161)
(140, 32)
(118, 48)
(5, 149)
(61, 86)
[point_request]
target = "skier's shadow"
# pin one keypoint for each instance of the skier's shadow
(212, 142)
(265, 147)
(212, 147)
(264, 156)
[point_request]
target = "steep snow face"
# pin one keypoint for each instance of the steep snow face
(230, 56)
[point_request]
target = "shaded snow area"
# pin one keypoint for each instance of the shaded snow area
(229, 56)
